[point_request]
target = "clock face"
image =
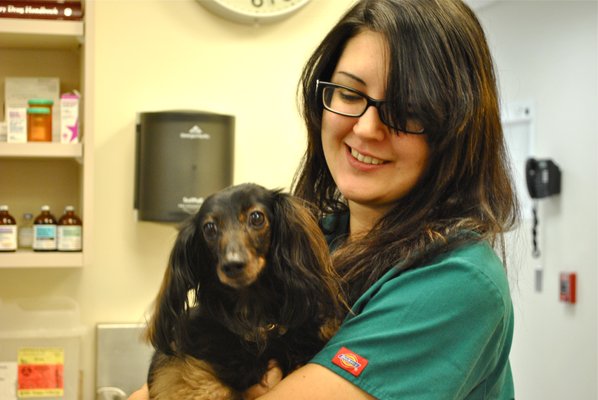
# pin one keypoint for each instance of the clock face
(253, 11)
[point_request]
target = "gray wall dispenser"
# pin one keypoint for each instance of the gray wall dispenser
(181, 158)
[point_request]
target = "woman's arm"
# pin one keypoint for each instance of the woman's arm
(313, 382)
(141, 394)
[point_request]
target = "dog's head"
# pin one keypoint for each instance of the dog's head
(235, 227)
(246, 239)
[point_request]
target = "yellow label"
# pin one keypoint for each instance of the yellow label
(25, 393)
(40, 372)
(41, 355)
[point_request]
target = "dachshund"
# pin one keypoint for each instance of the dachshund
(249, 280)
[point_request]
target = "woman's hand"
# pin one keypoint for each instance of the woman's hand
(141, 394)
(272, 376)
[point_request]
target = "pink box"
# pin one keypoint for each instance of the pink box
(69, 118)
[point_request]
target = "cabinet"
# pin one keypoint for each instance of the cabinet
(34, 174)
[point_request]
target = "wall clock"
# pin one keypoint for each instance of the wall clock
(253, 11)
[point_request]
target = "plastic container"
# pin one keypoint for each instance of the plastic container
(41, 338)
(26, 231)
(44, 231)
(39, 124)
(8, 230)
(69, 230)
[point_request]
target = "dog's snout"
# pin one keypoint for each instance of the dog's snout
(233, 268)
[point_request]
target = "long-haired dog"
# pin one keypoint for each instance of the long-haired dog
(249, 280)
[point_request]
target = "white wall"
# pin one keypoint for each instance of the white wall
(546, 52)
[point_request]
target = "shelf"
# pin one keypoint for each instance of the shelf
(25, 259)
(52, 173)
(41, 150)
(40, 34)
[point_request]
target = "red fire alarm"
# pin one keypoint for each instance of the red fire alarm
(568, 287)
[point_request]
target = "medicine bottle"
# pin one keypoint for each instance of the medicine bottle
(44, 231)
(8, 230)
(26, 231)
(69, 230)
(39, 124)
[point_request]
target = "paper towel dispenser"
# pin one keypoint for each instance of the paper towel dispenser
(181, 157)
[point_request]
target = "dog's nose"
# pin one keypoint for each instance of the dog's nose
(233, 268)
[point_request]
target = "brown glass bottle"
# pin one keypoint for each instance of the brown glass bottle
(8, 230)
(69, 231)
(44, 231)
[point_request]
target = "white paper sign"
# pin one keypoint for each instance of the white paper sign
(8, 380)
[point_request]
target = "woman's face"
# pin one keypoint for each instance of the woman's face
(371, 164)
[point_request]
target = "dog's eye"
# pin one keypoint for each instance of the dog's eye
(210, 230)
(257, 219)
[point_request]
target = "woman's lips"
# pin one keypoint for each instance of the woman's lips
(365, 159)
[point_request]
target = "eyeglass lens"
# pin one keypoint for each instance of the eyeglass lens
(351, 103)
(344, 101)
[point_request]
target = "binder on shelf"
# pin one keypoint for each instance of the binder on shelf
(42, 9)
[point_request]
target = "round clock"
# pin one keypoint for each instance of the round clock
(253, 11)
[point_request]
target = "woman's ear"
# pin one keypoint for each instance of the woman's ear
(167, 325)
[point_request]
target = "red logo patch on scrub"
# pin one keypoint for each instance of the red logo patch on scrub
(349, 361)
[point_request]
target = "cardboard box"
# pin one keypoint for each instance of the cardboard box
(19, 90)
(3, 132)
(69, 118)
(16, 124)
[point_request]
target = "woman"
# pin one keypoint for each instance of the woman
(415, 189)
(407, 163)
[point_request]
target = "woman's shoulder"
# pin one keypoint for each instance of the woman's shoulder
(475, 260)
(469, 272)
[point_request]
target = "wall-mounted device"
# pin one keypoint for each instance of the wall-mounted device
(568, 287)
(543, 179)
(181, 157)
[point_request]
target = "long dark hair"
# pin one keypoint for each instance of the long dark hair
(440, 68)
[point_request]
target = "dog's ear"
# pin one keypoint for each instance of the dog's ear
(300, 258)
(171, 310)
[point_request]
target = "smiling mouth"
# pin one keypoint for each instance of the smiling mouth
(366, 159)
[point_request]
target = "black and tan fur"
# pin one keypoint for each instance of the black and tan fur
(249, 280)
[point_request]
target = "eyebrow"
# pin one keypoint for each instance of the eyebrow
(354, 77)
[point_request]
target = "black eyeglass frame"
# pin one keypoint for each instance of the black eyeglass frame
(370, 102)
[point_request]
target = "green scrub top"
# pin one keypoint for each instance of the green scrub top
(440, 331)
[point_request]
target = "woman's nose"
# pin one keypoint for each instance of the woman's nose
(370, 126)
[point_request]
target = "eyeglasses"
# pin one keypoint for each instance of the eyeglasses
(343, 100)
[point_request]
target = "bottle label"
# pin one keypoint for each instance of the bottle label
(69, 238)
(8, 237)
(44, 237)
